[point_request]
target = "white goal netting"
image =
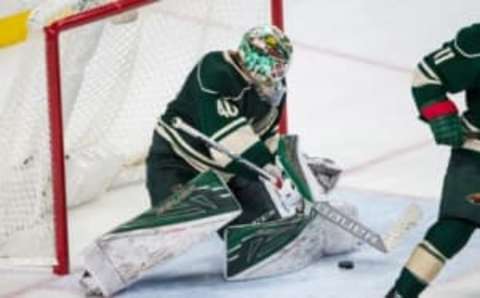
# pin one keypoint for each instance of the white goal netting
(116, 77)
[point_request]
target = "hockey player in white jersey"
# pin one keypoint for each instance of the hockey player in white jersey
(233, 99)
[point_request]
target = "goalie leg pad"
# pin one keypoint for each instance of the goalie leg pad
(271, 248)
(284, 245)
(118, 258)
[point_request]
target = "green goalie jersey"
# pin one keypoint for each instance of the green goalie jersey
(219, 101)
(453, 68)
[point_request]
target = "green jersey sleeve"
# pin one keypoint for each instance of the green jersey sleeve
(222, 117)
(452, 68)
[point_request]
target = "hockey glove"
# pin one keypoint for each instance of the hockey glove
(286, 191)
(445, 123)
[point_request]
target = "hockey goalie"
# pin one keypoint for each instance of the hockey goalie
(217, 164)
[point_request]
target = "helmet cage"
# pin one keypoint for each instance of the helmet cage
(265, 54)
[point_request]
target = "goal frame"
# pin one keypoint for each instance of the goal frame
(52, 49)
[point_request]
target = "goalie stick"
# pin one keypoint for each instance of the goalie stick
(349, 224)
(179, 124)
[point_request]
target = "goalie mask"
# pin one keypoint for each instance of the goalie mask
(265, 53)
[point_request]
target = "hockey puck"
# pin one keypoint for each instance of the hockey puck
(346, 264)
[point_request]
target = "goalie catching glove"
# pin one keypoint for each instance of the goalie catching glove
(325, 173)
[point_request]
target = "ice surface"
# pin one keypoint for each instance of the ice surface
(350, 99)
(199, 273)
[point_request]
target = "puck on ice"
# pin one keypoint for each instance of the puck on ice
(346, 264)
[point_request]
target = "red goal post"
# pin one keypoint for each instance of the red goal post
(52, 33)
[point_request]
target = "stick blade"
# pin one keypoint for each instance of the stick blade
(350, 225)
(408, 220)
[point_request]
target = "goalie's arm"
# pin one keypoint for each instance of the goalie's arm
(221, 118)
(234, 133)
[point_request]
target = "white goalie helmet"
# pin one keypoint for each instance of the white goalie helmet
(265, 53)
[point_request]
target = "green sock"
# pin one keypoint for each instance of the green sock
(408, 285)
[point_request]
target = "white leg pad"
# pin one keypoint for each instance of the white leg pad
(100, 267)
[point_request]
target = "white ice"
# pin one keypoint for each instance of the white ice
(349, 99)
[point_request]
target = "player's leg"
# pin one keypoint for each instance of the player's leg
(166, 172)
(255, 200)
(459, 216)
(281, 245)
(184, 211)
(257, 205)
(443, 241)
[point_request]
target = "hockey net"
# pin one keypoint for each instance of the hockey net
(87, 112)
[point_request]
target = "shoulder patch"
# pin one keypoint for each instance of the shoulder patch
(467, 41)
